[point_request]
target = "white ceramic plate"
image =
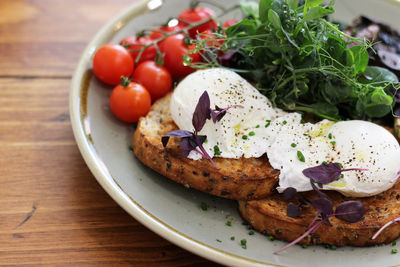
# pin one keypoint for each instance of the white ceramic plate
(165, 207)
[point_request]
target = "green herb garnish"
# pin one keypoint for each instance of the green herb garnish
(394, 251)
(293, 145)
(300, 156)
(271, 238)
(232, 238)
(245, 137)
(284, 122)
(251, 232)
(252, 133)
(268, 123)
(330, 136)
(228, 223)
(218, 240)
(393, 243)
(217, 152)
(203, 206)
(302, 62)
(243, 243)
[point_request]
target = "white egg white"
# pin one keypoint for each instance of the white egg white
(258, 128)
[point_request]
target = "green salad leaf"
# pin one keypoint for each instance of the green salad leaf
(303, 62)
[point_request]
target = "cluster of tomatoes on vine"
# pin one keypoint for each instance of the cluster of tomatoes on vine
(143, 68)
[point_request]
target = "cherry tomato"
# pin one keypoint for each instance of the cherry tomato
(132, 43)
(196, 15)
(157, 34)
(129, 101)
(155, 78)
(174, 50)
(112, 61)
(229, 23)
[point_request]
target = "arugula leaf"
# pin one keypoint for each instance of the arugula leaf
(263, 7)
(357, 56)
(378, 74)
(245, 26)
(311, 3)
(316, 13)
(273, 17)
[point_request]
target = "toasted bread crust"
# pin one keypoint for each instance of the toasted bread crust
(269, 217)
(241, 179)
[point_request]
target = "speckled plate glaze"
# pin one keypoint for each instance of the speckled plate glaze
(165, 207)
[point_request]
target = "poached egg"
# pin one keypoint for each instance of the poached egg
(258, 128)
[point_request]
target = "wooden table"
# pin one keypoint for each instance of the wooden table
(52, 210)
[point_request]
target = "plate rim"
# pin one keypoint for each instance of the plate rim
(99, 170)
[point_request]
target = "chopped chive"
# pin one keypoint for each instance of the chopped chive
(218, 240)
(333, 143)
(304, 246)
(284, 122)
(271, 238)
(252, 133)
(300, 156)
(268, 123)
(394, 243)
(293, 145)
(243, 243)
(249, 227)
(302, 121)
(232, 238)
(394, 251)
(217, 152)
(251, 232)
(203, 206)
(258, 126)
(333, 247)
(330, 135)
(228, 223)
(245, 137)
(305, 134)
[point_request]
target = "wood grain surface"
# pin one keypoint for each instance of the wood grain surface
(52, 210)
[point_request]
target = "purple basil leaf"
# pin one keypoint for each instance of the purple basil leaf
(350, 211)
(325, 173)
(202, 112)
(319, 192)
(289, 193)
(293, 210)
(218, 113)
(186, 146)
(323, 205)
(177, 133)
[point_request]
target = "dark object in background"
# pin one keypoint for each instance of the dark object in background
(386, 42)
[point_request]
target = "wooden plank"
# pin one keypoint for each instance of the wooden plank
(46, 37)
(53, 212)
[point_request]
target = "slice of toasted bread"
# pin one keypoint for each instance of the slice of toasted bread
(241, 179)
(269, 217)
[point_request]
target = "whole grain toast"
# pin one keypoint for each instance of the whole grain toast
(240, 179)
(269, 217)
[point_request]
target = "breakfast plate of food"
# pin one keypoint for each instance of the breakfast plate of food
(275, 122)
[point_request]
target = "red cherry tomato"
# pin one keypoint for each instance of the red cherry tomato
(174, 49)
(110, 62)
(132, 43)
(229, 23)
(196, 15)
(157, 34)
(129, 101)
(155, 78)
